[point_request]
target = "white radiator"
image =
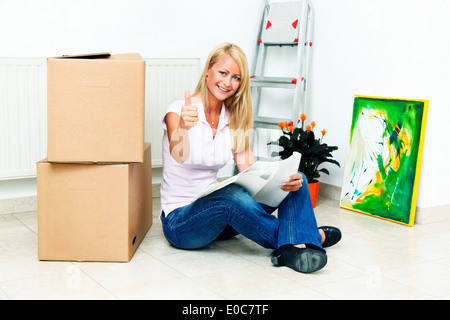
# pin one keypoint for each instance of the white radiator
(23, 116)
(166, 81)
(23, 108)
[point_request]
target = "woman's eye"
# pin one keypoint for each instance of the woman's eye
(222, 73)
(236, 78)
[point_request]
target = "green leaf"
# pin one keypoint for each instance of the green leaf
(294, 134)
(285, 141)
(333, 161)
(311, 138)
(324, 171)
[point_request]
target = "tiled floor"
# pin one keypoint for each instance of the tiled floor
(376, 259)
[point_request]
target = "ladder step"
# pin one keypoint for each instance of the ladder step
(279, 44)
(266, 122)
(274, 82)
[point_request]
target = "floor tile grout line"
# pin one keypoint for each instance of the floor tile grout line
(3, 291)
(410, 287)
(181, 274)
(443, 260)
(95, 280)
(286, 277)
(14, 215)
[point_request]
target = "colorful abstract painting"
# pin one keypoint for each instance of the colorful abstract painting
(382, 167)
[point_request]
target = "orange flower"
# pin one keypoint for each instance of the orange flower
(303, 117)
(308, 128)
(291, 128)
(291, 123)
(282, 125)
(324, 132)
(313, 124)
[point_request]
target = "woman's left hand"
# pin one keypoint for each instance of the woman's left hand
(295, 182)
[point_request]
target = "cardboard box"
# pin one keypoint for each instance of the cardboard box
(95, 108)
(93, 212)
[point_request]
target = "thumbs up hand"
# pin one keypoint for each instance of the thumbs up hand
(189, 113)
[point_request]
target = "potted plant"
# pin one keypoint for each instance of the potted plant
(314, 152)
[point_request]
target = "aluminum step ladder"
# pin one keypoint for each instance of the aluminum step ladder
(286, 23)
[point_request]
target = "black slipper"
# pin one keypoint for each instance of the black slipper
(332, 236)
(305, 260)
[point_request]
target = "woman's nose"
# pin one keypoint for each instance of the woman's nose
(227, 81)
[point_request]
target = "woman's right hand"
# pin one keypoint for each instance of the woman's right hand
(189, 113)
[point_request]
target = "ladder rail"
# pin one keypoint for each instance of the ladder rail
(302, 63)
(267, 38)
(258, 81)
(259, 59)
(309, 42)
(256, 54)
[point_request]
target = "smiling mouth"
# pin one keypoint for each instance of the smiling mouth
(223, 90)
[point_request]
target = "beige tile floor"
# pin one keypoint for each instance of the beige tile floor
(376, 259)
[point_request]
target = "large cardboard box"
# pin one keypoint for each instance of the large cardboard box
(93, 212)
(95, 108)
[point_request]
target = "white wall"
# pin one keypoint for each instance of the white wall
(154, 28)
(390, 48)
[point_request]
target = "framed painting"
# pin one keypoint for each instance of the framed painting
(382, 166)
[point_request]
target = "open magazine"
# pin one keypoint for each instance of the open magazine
(263, 180)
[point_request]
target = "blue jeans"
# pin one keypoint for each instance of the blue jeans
(231, 210)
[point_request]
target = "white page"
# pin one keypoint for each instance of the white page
(263, 180)
(271, 194)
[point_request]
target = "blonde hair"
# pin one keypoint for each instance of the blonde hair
(240, 104)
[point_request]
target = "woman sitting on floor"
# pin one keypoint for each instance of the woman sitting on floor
(201, 134)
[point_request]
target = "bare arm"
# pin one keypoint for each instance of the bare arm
(244, 159)
(177, 129)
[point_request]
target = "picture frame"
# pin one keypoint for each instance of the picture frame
(383, 160)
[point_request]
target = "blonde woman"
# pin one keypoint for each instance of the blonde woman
(201, 134)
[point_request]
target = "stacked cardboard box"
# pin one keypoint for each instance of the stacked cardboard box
(94, 187)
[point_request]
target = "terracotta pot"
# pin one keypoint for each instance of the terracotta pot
(314, 192)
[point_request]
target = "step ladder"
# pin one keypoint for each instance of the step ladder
(286, 23)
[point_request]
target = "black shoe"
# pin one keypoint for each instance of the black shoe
(332, 236)
(305, 260)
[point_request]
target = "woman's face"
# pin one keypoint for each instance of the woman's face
(223, 78)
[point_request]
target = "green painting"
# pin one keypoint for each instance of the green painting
(382, 167)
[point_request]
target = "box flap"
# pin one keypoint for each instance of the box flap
(102, 55)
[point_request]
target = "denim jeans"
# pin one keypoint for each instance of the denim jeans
(231, 210)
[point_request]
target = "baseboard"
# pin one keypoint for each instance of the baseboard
(329, 191)
(16, 205)
(156, 190)
(423, 215)
(432, 214)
